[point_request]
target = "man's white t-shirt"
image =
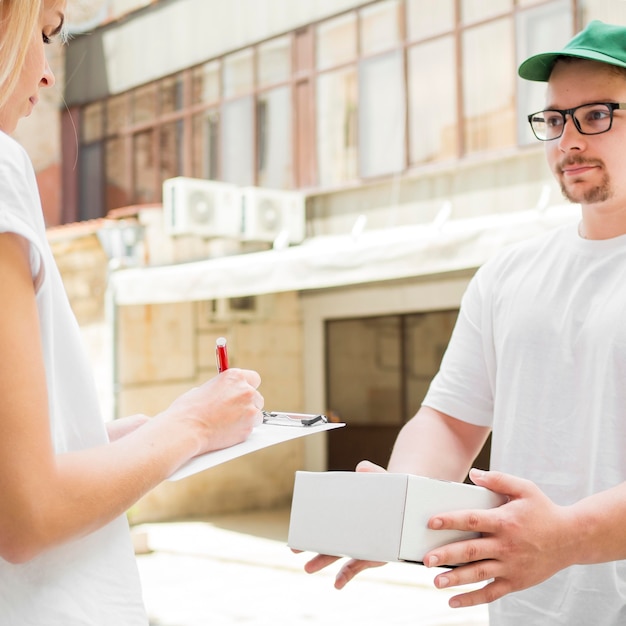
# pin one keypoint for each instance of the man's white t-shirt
(539, 354)
(92, 581)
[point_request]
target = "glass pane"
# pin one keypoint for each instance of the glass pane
(144, 104)
(171, 94)
(144, 168)
(116, 114)
(337, 126)
(547, 27)
(473, 10)
(93, 122)
(364, 370)
(611, 11)
(171, 149)
(429, 17)
(238, 74)
(432, 101)
(116, 184)
(427, 336)
(274, 61)
(274, 138)
(238, 141)
(90, 182)
(205, 144)
(336, 41)
(382, 115)
(380, 27)
(489, 86)
(205, 83)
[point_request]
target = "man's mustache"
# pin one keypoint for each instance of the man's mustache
(579, 161)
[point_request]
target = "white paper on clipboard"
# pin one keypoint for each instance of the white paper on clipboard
(262, 436)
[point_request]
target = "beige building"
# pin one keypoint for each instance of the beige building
(340, 170)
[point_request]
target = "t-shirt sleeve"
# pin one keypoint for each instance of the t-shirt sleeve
(20, 206)
(463, 387)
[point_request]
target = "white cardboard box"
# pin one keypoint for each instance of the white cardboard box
(377, 517)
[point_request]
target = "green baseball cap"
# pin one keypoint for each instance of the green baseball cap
(597, 42)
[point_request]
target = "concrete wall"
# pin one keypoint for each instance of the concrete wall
(514, 180)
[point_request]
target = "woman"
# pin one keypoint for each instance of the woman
(65, 482)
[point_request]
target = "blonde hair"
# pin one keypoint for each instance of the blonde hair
(18, 19)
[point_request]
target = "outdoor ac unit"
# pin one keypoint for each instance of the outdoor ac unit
(268, 213)
(208, 208)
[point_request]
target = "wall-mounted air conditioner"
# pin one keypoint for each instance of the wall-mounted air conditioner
(207, 208)
(270, 213)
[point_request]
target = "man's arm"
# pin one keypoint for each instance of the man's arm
(528, 539)
(437, 445)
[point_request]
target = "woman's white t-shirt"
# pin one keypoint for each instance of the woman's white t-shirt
(92, 581)
(539, 355)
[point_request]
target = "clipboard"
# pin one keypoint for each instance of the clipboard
(277, 427)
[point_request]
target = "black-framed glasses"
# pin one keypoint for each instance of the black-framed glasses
(589, 119)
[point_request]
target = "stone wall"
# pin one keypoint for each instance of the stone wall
(165, 349)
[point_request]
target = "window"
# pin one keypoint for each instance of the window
(426, 18)
(380, 27)
(144, 168)
(374, 91)
(488, 87)
(144, 104)
(91, 155)
(238, 74)
(90, 189)
(116, 177)
(476, 10)
(171, 95)
(170, 150)
(205, 81)
(336, 127)
(433, 128)
(274, 138)
(238, 141)
(205, 145)
(336, 42)
(274, 62)
(382, 115)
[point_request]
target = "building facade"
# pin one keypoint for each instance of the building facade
(399, 128)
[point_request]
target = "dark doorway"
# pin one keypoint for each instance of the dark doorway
(379, 370)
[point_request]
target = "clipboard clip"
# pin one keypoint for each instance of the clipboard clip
(277, 418)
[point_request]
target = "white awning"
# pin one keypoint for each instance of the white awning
(337, 260)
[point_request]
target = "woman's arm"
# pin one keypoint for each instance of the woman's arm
(47, 498)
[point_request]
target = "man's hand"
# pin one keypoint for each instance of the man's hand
(524, 542)
(353, 566)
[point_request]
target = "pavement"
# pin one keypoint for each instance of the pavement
(237, 569)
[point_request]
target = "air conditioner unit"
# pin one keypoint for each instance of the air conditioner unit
(268, 213)
(207, 208)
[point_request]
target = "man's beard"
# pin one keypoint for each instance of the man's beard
(599, 193)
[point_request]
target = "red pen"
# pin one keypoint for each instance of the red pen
(221, 355)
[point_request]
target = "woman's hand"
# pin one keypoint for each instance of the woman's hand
(222, 411)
